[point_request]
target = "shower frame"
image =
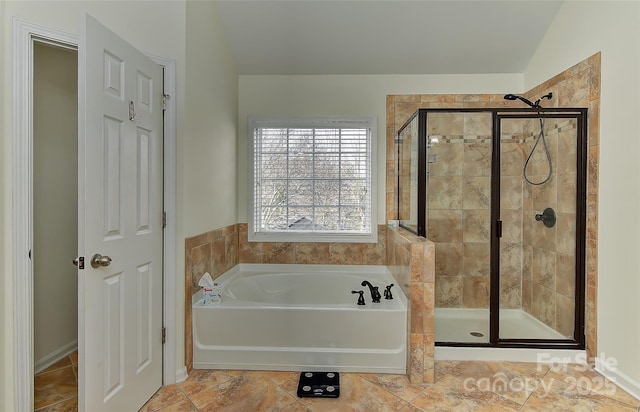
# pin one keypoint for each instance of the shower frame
(420, 229)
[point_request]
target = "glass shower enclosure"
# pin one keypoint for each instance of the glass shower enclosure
(502, 194)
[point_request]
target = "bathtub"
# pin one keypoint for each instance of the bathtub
(301, 317)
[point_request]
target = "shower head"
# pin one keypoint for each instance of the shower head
(516, 97)
(527, 101)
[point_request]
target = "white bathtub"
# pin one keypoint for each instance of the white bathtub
(301, 317)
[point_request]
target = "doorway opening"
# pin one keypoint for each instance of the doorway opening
(55, 225)
(27, 37)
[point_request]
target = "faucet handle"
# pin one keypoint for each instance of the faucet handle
(360, 296)
(387, 292)
(375, 295)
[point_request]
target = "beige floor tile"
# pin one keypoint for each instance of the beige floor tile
(62, 363)
(295, 407)
(247, 392)
(557, 395)
(165, 397)
(201, 379)
(584, 377)
(55, 386)
(452, 394)
(70, 405)
(182, 406)
(398, 385)
(511, 380)
(444, 367)
(462, 386)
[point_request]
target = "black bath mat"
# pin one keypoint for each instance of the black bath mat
(319, 385)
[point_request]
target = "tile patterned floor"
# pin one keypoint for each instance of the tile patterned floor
(460, 386)
(56, 388)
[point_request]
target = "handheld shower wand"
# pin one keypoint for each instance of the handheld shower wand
(541, 137)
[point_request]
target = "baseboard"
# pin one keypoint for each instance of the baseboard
(181, 374)
(620, 379)
(48, 360)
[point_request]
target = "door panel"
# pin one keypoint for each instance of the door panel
(537, 255)
(120, 216)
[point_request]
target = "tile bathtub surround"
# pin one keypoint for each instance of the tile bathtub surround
(578, 86)
(312, 253)
(411, 260)
(214, 252)
(219, 250)
(458, 386)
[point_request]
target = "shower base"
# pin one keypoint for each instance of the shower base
(472, 326)
(456, 325)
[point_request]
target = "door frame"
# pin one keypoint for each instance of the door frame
(25, 34)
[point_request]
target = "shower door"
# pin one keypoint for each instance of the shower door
(502, 194)
(539, 214)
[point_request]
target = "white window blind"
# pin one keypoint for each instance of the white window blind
(312, 179)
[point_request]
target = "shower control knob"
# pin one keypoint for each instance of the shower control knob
(548, 217)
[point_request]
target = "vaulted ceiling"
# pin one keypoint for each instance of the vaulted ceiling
(269, 37)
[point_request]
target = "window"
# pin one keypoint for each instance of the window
(312, 179)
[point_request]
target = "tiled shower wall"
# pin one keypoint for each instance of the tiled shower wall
(578, 86)
(548, 278)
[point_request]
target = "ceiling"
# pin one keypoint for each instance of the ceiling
(313, 37)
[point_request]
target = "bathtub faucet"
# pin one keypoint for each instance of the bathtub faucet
(375, 294)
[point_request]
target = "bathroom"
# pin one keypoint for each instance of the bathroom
(213, 212)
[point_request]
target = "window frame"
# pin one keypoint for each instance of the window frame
(360, 122)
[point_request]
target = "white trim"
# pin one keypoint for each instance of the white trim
(541, 356)
(24, 35)
(171, 374)
(55, 356)
(610, 372)
(181, 374)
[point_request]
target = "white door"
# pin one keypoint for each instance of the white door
(120, 135)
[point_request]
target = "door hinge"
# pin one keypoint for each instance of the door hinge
(164, 335)
(165, 97)
(499, 228)
(164, 219)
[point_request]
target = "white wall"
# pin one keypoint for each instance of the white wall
(55, 201)
(153, 27)
(347, 95)
(580, 30)
(209, 197)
